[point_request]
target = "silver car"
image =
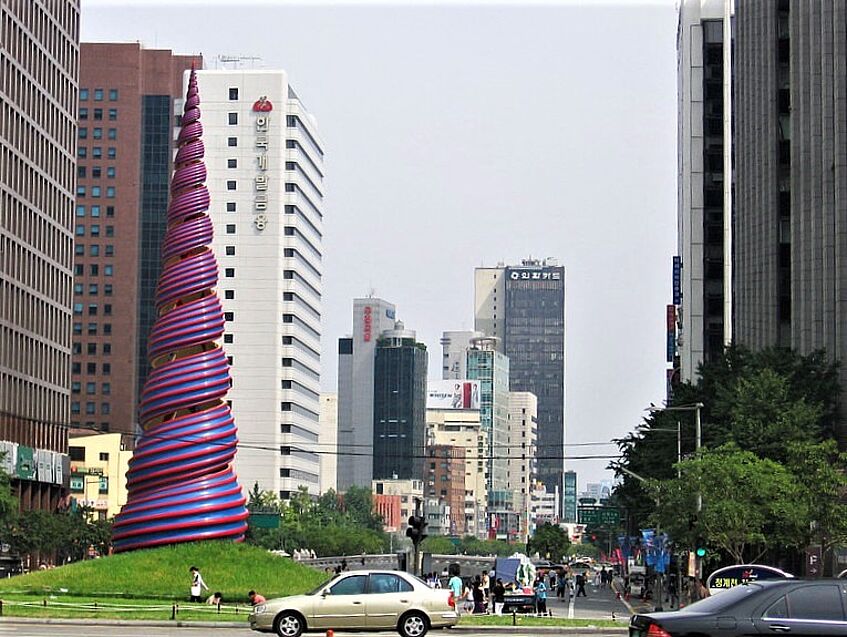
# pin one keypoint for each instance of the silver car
(360, 600)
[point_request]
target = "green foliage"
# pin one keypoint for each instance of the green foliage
(438, 544)
(750, 504)
(583, 550)
(550, 541)
(162, 573)
(330, 525)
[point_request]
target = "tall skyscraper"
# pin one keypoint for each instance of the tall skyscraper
(371, 317)
(399, 405)
(39, 67)
(791, 286)
(705, 203)
(491, 368)
(265, 175)
(521, 463)
(523, 306)
(124, 161)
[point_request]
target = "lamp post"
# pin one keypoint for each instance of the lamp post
(698, 440)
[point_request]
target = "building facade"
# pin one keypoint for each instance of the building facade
(399, 405)
(462, 428)
(265, 178)
(791, 158)
(521, 463)
(523, 307)
(454, 353)
(445, 482)
(124, 162)
(328, 441)
(491, 368)
(569, 498)
(395, 500)
(356, 354)
(39, 69)
(99, 464)
(704, 202)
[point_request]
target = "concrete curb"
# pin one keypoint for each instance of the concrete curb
(458, 630)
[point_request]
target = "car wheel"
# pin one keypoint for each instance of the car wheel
(289, 625)
(413, 625)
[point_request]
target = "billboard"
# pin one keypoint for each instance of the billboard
(452, 394)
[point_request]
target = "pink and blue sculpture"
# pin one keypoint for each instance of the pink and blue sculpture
(180, 481)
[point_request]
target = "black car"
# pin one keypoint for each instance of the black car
(790, 607)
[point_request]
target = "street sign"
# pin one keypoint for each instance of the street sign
(599, 516)
(264, 520)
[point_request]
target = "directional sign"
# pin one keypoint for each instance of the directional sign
(599, 516)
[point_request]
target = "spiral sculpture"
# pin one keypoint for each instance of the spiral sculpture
(180, 480)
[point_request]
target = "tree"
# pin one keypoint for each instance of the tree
(749, 505)
(550, 541)
(438, 544)
(358, 502)
(821, 472)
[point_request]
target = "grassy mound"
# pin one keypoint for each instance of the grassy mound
(162, 573)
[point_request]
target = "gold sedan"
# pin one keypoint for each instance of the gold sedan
(363, 600)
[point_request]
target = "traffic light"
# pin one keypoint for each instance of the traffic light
(417, 529)
(700, 548)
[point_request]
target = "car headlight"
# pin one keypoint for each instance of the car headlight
(261, 608)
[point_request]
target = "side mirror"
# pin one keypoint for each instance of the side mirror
(325, 592)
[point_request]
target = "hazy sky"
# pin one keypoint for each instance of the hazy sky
(461, 135)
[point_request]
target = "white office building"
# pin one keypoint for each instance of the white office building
(356, 357)
(328, 440)
(265, 177)
(521, 462)
(454, 356)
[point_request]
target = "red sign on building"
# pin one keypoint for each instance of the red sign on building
(367, 331)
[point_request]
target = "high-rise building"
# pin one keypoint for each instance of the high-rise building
(371, 317)
(705, 202)
(445, 482)
(790, 286)
(491, 368)
(569, 497)
(265, 173)
(399, 405)
(328, 441)
(124, 161)
(523, 307)
(39, 67)
(521, 463)
(454, 357)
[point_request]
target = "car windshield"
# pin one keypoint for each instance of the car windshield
(321, 587)
(723, 599)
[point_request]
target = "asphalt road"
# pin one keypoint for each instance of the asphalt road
(58, 630)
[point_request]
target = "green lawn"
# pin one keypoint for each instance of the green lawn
(162, 574)
(529, 620)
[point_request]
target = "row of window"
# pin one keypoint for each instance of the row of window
(93, 309)
(97, 114)
(91, 408)
(93, 269)
(93, 289)
(92, 329)
(91, 388)
(97, 152)
(98, 94)
(97, 133)
(91, 368)
(93, 230)
(96, 172)
(94, 211)
(95, 191)
(91, 348)
(94, 250)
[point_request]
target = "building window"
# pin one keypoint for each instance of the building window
(80, 191)
(77, 308)
(92, 329)
(107, 348)
(113, 152)
(230, 251)
(110, 172)
(94, 269)
(110, 231)
(98, 113)
(108, 270)
(113, 114)
(232, 141)
(230, 206)
(94, 250)
(229, 272)
(91, 349)
(95, 211)
(83, 95)
(110, 250)
(80, 211)
(82, 133)
(230, 228)
(80, 172)
(95, 230)
(113, 133)
(107, 289)
(92, 309)
(83, 113)
(97, 152)
(76, 386)
(113, 95)
(90, 408)
(110, 192)
(105, 408)
(110, 211)
(104, 482)
(229, 316)
(227, 338)
(107, 369)
(232, 118)
(97, 133)
(232, 163)
(82, 152)
(104, 456)
(230, 185)
(96, 172)
(76, 368)
(79, 230)
(229, 294)
(107, 309)
(107, 328)
(98, 95)
(106, 389)
(78, 269)
(233, 93)
(95, 191)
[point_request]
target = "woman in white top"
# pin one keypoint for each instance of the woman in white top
(197, 584)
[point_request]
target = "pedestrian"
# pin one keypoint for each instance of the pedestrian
(478, 596)
(498, 591)
(486, 584)
(561, 584)
(603, 575)
(580, 585)
(215, 599)
(343, 564)
(540, 596)
(197, 584)
(456, 587)
(255, 598)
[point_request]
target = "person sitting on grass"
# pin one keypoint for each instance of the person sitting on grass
(215, 599)
(255, 598)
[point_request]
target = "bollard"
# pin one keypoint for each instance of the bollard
(514, 618)
(330, 632)
(219, 608)
(1, 607)
(173, 611)
(45, 602)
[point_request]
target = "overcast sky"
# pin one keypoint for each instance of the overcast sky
(458, 136)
